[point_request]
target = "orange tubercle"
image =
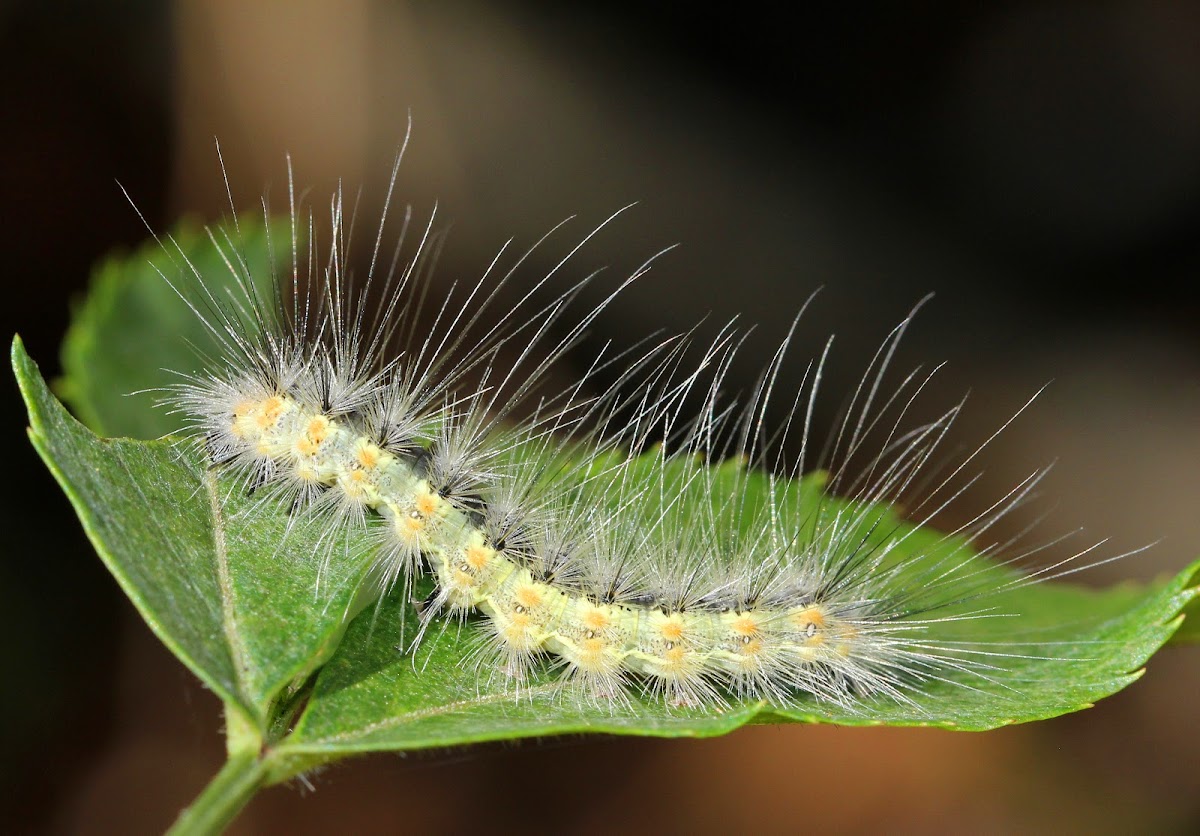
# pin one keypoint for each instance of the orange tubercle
(368, 457)
(596, 619)
(426, 504)
(318, 429)
(672, 631)
(809, 615)
(269, 412)
(745, 625)
(528, 596)
(477, 557)
(591, 653)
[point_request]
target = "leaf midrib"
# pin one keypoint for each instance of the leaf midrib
(229, 622)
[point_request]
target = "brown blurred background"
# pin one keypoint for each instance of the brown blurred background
(1037, 165)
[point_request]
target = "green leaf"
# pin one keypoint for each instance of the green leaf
(235, 601)
(237, 589)
(203, 567)
(133, 334)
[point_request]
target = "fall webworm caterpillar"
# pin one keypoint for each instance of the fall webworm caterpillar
(641, 529)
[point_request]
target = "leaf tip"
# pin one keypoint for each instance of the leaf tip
(1192, 584)
(25, 370)
(19, 356)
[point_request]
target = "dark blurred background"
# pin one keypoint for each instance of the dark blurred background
(1037, 165)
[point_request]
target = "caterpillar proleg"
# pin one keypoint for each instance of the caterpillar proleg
(651, 528)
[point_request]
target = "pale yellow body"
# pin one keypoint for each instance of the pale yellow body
(600, 641)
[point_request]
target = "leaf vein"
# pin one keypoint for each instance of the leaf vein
(229, 624)
(425, 713)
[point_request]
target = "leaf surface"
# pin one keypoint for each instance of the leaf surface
(228, 584)
(260, 603)
(219, 582)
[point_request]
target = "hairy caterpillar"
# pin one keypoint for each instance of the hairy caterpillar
(650, 535)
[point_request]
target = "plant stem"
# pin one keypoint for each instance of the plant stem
(224, 797)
